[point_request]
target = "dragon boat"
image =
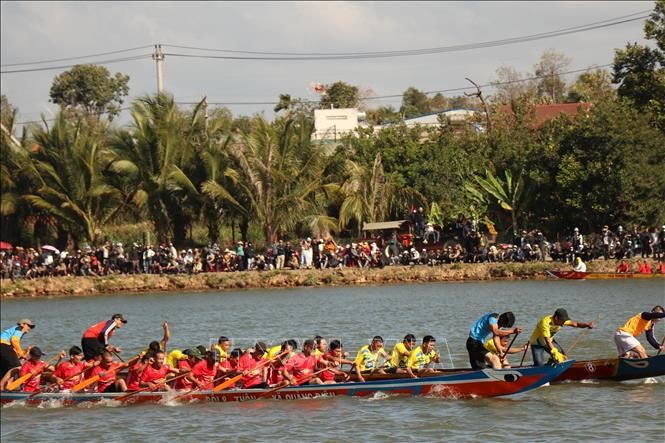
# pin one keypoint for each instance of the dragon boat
(616, 369)
(576, 275)
(446, 384)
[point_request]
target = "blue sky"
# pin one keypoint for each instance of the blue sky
(35, 31)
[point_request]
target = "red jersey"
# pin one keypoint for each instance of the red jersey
(205, 373)
(107, 376)
(328, 375)
(623, 267)
(133, 377)
(230, 366)
(102, 331)
(183, 383)
(67, 369)
(150, 374)
(247, 363)
(275, 374)
(301, 367)
(33, 383)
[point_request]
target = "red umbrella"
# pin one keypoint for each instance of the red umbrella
(5, 245)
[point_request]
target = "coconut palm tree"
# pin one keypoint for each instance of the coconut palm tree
(281, 173)
(370, 195)
(153, 156)
(67, 167)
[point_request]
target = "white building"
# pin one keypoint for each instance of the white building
(330, 124)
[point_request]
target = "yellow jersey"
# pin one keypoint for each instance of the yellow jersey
(222, 354)
(545, 328)
(399, 356)
(274, 351)
(489, 345)
(636, 325)
(174, 357)
(366, 359)
(419, 359)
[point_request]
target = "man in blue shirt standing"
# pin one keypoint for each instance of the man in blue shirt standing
(489, 325)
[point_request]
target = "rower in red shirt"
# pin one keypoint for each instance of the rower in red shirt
(301, 366)
(253, 375)
(185, 366)
(70, 372)
(334, 358)
(277, 367)
(205, 371)
(229, 367)
(135, 371)
(35, 366)
(623, 267)
(107, 371)
(154, 375)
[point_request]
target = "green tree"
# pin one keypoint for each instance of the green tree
(511, 194)
(280, 173)
(67, 164)
(592, 86)
(550, 68)
(640, 70)
(90, 89)
(340, 95)
(153, 157)
(414, 103)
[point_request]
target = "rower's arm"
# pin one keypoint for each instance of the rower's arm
(579, 324)
(652, 315)
(167, 335)
(16, 344)
(651, 338)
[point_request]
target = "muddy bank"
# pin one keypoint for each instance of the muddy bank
(59, 286)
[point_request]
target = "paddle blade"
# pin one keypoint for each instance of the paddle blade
(85, 383)
(227, 383)
(18, 382)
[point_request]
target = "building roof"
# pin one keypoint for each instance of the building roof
(543, 113)
(383, 225)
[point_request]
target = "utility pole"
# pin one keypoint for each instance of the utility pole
(205, 107)
(158, 56)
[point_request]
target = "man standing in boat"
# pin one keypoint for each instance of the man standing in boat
(542, 339)
(489, 325)
(625, 338)
(10, 345)
(95, 340)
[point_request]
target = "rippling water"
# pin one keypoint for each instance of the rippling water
(566, 412)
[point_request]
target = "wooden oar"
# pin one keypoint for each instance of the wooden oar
(524, 354)
(88, 381)
(278, 388)
(234, 380)
(582, 334)
(151, 388)
(19, 381)
(118, 355)
(189, 391)
(501, 357)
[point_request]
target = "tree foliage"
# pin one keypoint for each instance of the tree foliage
(90, 89)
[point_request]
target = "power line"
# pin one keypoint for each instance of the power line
(101, 62)
(57, 60)
(381, 97)
(274, 56)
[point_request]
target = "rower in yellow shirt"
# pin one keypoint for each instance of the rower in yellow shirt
(422, 356)
(503, 341)
(222, 347)
(368, 356)
(542, 340)
(321, 346)
(400, 354)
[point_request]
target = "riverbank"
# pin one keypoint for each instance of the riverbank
(220, 281)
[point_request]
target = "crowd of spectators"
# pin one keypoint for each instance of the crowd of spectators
(423, 245)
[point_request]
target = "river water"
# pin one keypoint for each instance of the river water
(606, 411)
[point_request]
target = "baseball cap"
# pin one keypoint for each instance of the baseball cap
(261, 346)
(120, 316)
(561, 314)
(26, 321)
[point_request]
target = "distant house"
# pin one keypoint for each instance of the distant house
(543, 113)
(330, 124)
(458, 118)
